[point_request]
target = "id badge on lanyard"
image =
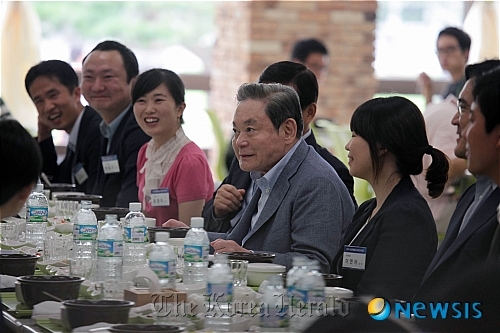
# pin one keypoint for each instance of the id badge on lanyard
(110, 164)
(160, 197)
(354, 257)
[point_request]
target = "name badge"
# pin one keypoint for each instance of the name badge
(80, 173)
(110, 164)
(160, 197)
(354, 257)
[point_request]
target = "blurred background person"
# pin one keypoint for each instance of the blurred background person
(173, 175)
(452, 49)
(314, 55)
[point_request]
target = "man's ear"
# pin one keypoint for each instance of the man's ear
(289, 128)
(309, 113)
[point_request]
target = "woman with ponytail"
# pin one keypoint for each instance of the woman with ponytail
(392, 238)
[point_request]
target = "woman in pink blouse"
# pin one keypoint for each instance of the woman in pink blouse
(173, 174)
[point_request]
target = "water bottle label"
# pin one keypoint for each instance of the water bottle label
(163, 269)
(294, 296)
(195, 253)
(109, 248)
(310, 296)
(135, 234)
(85, 232)
(274, 315)
(220, 292)
(37, 214)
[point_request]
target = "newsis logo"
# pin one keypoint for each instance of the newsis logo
(380, 309)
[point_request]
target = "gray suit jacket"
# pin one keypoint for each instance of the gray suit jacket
(306, 213)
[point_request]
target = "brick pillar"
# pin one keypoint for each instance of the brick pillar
(254, 34)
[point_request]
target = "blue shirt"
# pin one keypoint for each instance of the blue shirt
(108, 131)
(266, 182)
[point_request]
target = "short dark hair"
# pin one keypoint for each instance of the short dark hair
(53, 69)
(461, 36)
(282, 102)
(487, 94)
(396, 124)
(21, 156)
(296, 75)
(477, 70)
(303, 48)
(153, 78)
(129, 60)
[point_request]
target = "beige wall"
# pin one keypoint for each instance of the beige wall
(254, 34)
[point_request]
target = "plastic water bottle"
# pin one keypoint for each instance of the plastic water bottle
(84, 252)
(135, 236)
(109, 257)
(37, 212)
(220, 294)
(299, 269)
(311, 290)
(162, 260)
(196, 245)
(274, 308)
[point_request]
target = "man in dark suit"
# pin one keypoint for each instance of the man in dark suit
(109, 72)
(468, 269)
(53, 88)
(224, 210)
(472, 225)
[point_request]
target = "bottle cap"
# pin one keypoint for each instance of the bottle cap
(197, 222)
(135, 206)
(299, 261)
(86, 204)
(111, 217)
(39, 188)
(163, 236)
(220, 257)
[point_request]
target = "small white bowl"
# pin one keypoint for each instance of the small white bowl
(64, 228)
(338, 292)
(258, 272)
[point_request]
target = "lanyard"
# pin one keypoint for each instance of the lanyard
(359, 231)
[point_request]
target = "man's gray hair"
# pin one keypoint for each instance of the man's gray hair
(282, 102)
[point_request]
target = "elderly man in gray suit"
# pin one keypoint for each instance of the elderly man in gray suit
(299, 205)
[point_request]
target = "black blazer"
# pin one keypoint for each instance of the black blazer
(241, 179)
(119, 189)
(459, 252)
(88, 149)
(401, 240)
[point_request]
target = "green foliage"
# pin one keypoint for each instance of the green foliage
(143, 23)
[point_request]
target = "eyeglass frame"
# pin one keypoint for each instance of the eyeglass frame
(460, 107)
(448, 50)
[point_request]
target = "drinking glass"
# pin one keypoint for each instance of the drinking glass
(56, 248)
(9, 231)
(239, 270)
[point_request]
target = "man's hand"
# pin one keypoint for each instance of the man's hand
(221, 245)
(175, 224)
(424, 83)
(227, 200)
(44, 130)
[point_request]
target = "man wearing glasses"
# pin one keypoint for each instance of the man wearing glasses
(453, 47)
